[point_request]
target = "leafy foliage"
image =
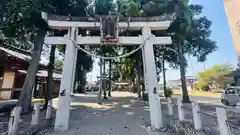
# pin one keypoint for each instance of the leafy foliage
(215, 77)
(84, 65)
(196, 41)
(104, 7)
(21, 20)
(58, 64)
(190, 32)
(191, 35)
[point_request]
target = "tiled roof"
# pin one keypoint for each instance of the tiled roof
(19, 55)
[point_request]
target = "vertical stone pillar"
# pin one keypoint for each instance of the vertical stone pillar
(151, 76)
(180, 110)
(75, 61)
(62, 116)
(196, 116)
(8, 82)
(14, 121)
(35, 114)
(170, 106)
(222, 121)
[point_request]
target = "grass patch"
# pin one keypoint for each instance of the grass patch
(38, 100)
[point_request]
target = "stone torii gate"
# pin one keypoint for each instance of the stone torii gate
(72, 25)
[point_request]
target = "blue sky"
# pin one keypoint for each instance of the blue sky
(214, 10)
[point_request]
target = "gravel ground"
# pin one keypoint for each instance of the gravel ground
(122, 114)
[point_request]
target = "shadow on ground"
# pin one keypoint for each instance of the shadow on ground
(116, 116)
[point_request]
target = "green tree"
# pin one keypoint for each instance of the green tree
(24, 22)
(191, 35)
(104, 7)
(58, 64)
(215, 78)
(84, 65)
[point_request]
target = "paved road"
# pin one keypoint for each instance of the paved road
(201, 99)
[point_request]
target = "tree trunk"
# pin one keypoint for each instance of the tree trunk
(110, 78)
(25, 98)
(138, 82)
(141, 75)
(100, 84)
(138, 87)
(104, 80)
(35, 92)
(48, 95)
(185, 97)
(164, 77)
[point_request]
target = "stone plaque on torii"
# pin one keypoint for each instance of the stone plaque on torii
(73, 23)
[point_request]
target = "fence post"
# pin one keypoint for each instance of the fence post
(35, 114)
(196, 116)
(49, 110)
(14, 120)
(222, 118)
(180, 110)
(170, 107)
(160, 115)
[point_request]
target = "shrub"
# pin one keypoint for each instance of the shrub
(168, 92)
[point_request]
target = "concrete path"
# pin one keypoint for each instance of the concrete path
(120, 115)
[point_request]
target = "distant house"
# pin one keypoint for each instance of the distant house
(176, 84)
(13, 66)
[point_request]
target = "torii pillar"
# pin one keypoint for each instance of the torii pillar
(62, 115)
(150, 79)
(150, 76)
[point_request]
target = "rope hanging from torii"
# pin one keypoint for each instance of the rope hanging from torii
(109, 35)
(114, 57)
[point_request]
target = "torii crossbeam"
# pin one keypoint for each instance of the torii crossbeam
(150, 76)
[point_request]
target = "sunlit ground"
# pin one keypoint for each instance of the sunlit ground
(79, 100)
